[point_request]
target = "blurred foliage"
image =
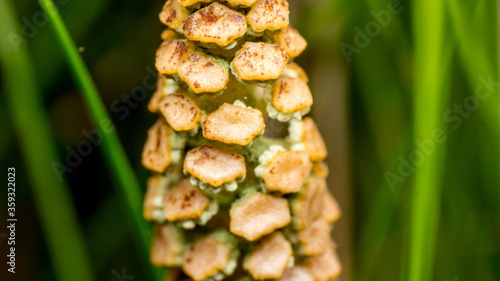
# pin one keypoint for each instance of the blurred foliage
(409, 73)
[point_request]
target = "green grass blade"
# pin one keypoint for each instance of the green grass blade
(429, 95)
(478, 48)
(479, 54)
(57, 215)
(111, 146)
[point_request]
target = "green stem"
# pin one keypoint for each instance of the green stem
(57, 215)
(114, 153)
(429, 96)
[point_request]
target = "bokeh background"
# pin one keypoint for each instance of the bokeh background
(386, 76)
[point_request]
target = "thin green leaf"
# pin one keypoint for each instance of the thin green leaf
(430, 93)
(478, 51)
(114, 153)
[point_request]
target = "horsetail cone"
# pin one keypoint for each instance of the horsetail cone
(229, 197)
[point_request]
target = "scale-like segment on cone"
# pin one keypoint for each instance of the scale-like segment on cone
(214, 255)
(268, 15)
(215, 24)
(184, 201)
(238, 189)
(233, 124)
(168, 245)
(287, 171)
(257, 215)
(271, 257)
(297, 273)
(324, 267)
(259, 61)
(181, 112)
(214, 165)
(172, 54)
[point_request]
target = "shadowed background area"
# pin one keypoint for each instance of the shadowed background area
(405, 95)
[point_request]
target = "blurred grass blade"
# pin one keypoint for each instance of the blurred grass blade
(430, 92)
(479, 53)
(111, 146)
(57, 215)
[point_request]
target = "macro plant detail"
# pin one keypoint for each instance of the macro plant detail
(229, 198)
(405, 92)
